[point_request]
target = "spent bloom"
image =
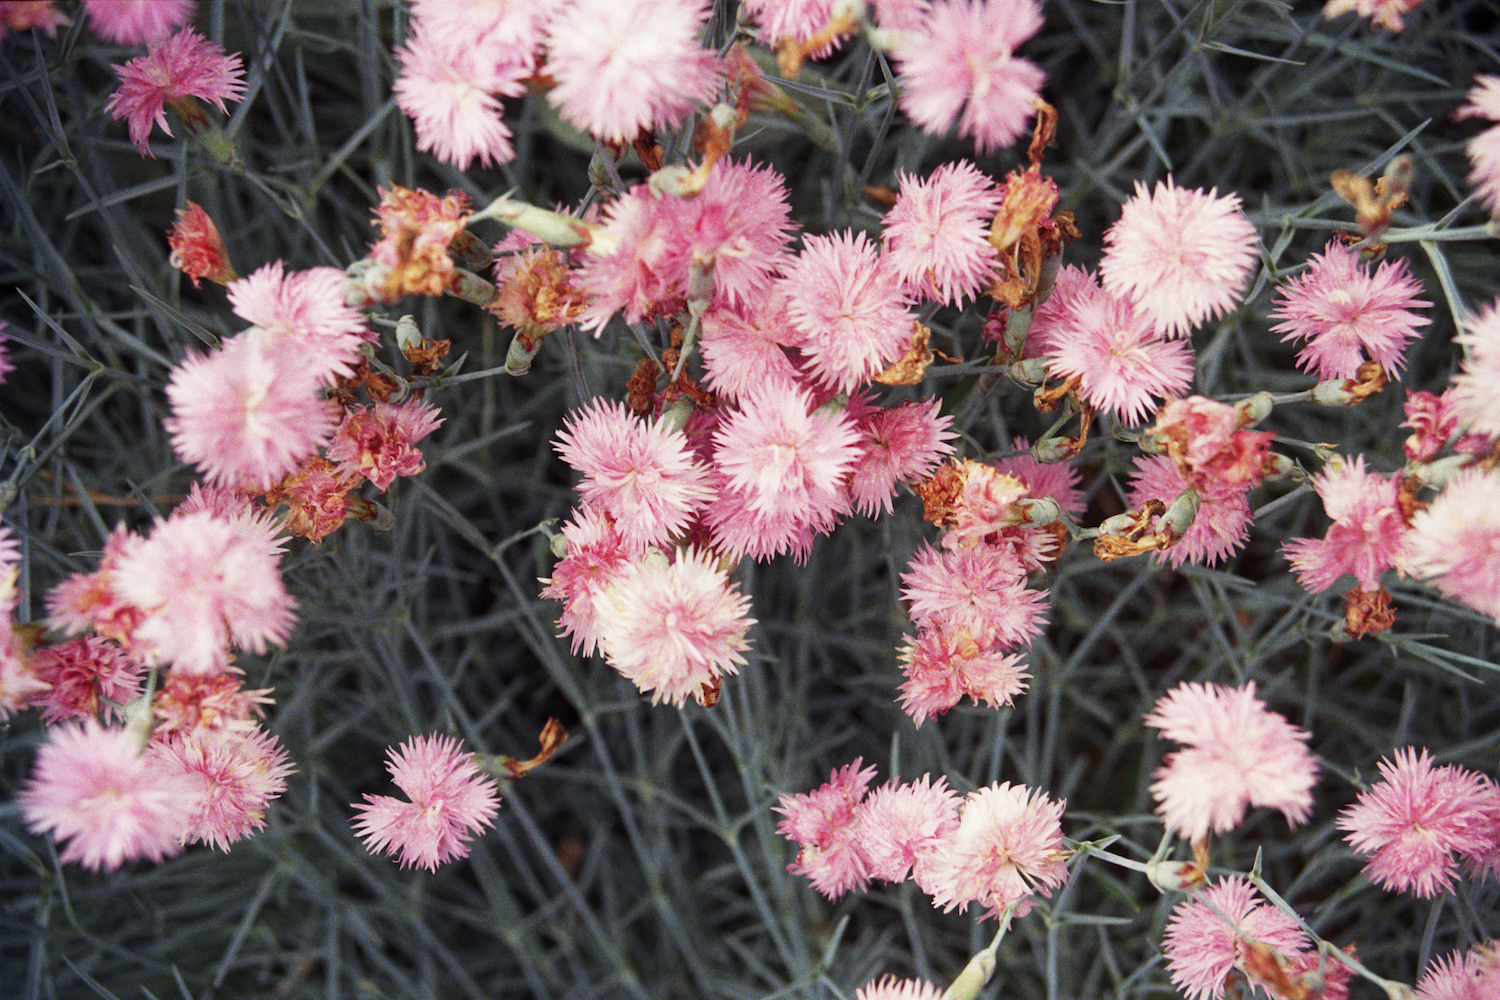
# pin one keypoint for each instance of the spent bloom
(674, 629)
(379, 441)
(197, 248)
(1202, 947)
(626, 65)
(1181, 255)
(136, 22)
(1237, 753)
(1223, 520)
(1008, 846)
(95, 790)
(1412, 822)
(1484, 148)
(960, 65)
(937, 234)
(182, 67)
(823, 822)
(450, 801)
(1346, 314)
(86, 675)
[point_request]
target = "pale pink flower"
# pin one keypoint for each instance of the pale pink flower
(1181, 255)
(248, 412)
(1474, 397)
(1346, 314)
(24, 15)
(626, 65)
(379, 441)
(1202, 947)
(982, 589)
(1484, 148)
(450, 87)
(1223, 521)
(182, 67)
(94, 789)
(1367, 532)
(960, 64)
(450, 801)
(900, 15)
(1474, 975)
(1008, 847)
(788, 459)
(674, 629)
(234, 775)
(899, 826)
(1412, 822)
(1382, 13)
(903, 444)
(86, 601)
(644, 475)
(1238, 753)
(745, 349)
(891, 988)
(942, 666)
(86, 676)
(596, 554)
(823, 822)
(205, 584)
(136, 22)
(740, 528)
(937, 234)
(1072, 285)
(304, 314)
(794, 19)
(848, 307)
(1117, 354)
(1454, 543)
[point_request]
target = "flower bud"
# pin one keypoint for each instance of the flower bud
(1255, 409)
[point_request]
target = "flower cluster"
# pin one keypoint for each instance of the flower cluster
(999, 846)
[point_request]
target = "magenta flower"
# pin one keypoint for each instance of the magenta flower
(1008, 847)
(1412, 822)
(848, 308)
(86, 676)
(937, 234)
(247, 413)
(1454, 543)
(94, 789)
(1181, 255)
(1202, 947)
(182, 67)
(674, 629)
(1366, 536)
(1346, 313)
(961, 65)
(1484, 148)
(451, 800)
(137, 22)
(824, 823)
(1237, 753)
(626, 65)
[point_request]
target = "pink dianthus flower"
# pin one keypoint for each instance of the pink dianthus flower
(937, 234)
(891, 988)
(981, 589)
(901, 444)
(824, 823)
(136, 22)
(674, 629)
(1008, 846)
(745, 349)
(95, 790)
(1202, 947)
(597, 553)
(1181, 255)
(1382, 13)
(450, 801)
(1474, 975)
(235, 776)
(941, 666)
(182, 67)
(1474, 397)
(86, 676)
(1367, 532)
(450, 86)
(379, 441)
(626, 65)
(24, 15)
(1223, 520)
(1454, 543)
(899, 826)
(1238, 753)
(1484, 148)
(842, 299)
(1346, 313)
(303, 314)
(960, 64)
(1412, 822)
(248, 412)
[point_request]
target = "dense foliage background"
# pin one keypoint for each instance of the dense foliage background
(643, 861)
